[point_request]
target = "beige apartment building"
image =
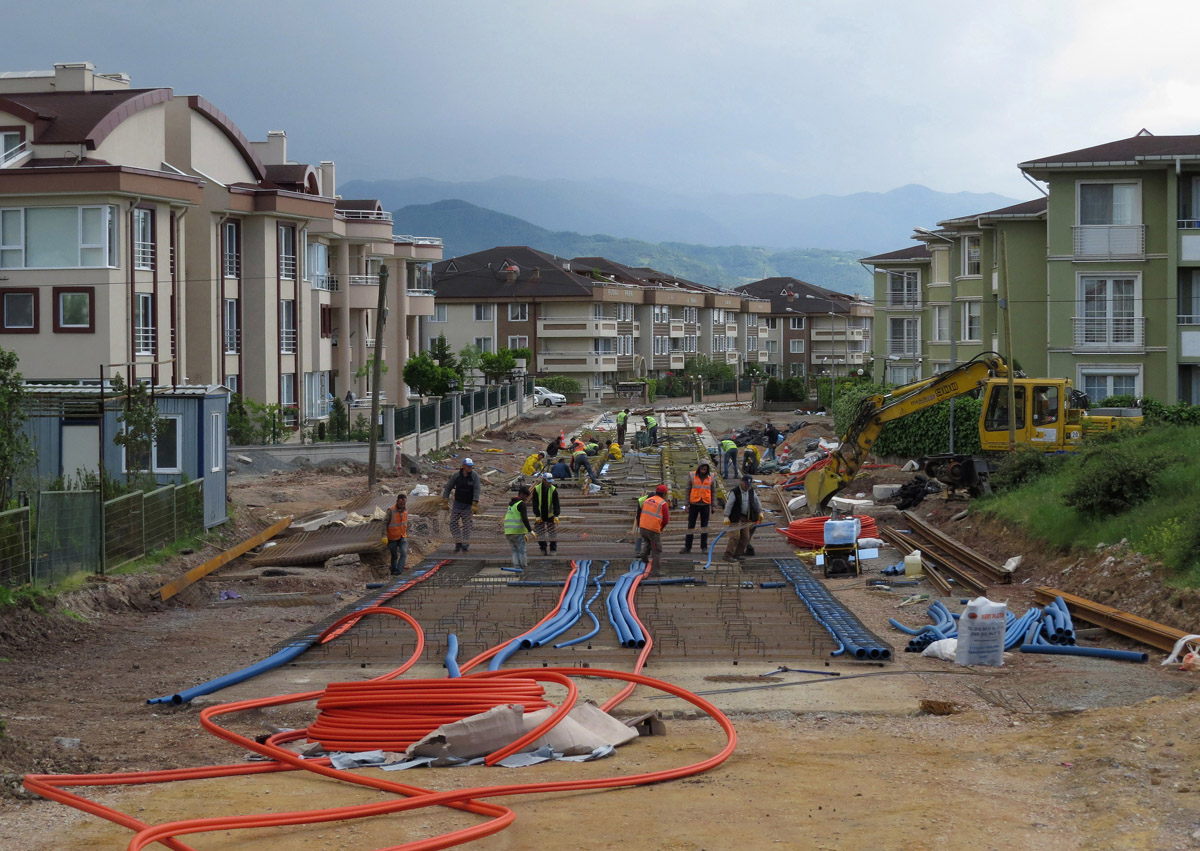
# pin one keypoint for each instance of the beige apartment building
(142, 232)
(590, 318)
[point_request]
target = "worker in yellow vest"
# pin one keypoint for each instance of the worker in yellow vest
(700, 500)
(396, 526)
(728, 458)
(517, 528)
(622, 419)
(652, 520)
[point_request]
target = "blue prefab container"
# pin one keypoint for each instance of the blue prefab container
(72, 426)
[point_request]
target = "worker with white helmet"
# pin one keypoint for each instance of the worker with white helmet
(545, 513)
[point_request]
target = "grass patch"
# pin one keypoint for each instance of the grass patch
(1139, 486)
(25, 597)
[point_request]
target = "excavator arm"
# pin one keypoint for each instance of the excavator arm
(875, 412)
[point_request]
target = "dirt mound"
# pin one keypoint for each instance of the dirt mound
(23, 630)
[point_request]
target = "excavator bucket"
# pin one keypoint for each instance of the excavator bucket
(821, 485)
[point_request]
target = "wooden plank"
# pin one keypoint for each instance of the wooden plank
(1114, 620)
(199, 572)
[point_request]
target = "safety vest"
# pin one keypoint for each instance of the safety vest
(513, 524)
(577, 447)
(397, 529)
(621, 417)
(702, 490)
(543, 499)
(652, 514)
(727, 444)
(651, 422)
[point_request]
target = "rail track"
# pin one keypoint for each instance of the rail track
(1147, 632)
(947, 563)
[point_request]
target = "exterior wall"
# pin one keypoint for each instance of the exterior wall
(138, 141)
(1026, 272)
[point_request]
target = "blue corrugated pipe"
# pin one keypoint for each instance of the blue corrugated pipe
(275, 660)
(452, 656)
(588, 609)
(1097, 652)
(614, 612)
(713, 544)
(571, 608)
(637, 638)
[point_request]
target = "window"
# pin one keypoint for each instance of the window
(970, 255)
(326, 317)
(58, 237)
(1189, 297)
(483, 313)
(143, 239)
(1110, 308)
(772, 323)
(796, 323)
(604, 345)
(903, 337)
(20, 311)
(232, 337)
(439, 313)
(752, 344)
(1108, 204)
(316, 394)
(232, 250)
(996, 418)
(217, 450)
(74, 310)
(484, 344)
(231, 381)
(287, 252)
(772, 347)
(941, 323)
(316, 266)
(518, 343)
(972, 321)
(903, 288)
(1045, 404)
(518, 312)
(796, 347)
(1101, 382)
(10, 143)
(143, 324)
(287, 326)
(167, 451)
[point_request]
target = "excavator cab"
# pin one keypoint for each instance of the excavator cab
(1041, 415)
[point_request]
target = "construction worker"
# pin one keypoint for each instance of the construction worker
(772, 435)
(556, 445)
(517, 528)
(728, 458)
(396, 526)
(652, 520)
(651, 429)
(614, 451)
(467, 487)
(621, 422)
(545, 512)
(561, 470)
(579, 461)
(700, 499)
(742, 510)
(751, 458)
(533, 464)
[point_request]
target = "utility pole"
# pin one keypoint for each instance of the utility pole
(376, 374)
(1012, 393)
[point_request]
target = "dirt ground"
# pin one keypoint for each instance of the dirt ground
(1048, 752)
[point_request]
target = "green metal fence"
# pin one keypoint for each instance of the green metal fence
(158, 517)
(68, 535)
(447, 410)
(406, 421)
(16, 547)
(124, 529)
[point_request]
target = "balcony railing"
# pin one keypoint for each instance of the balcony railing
(905, 347)
(327, 283)
(143, 340)
(233, 265)
(419, 292)
(1187, 319)
(406, 239)
(908, 300)
(10, 157)
(287, 266)
(143, 255)
(364, 280)
(287, 341)
(233, 341)
(368, 215)
(1103, 332)
(1109, 242)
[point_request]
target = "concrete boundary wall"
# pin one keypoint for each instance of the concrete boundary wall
(433, 436)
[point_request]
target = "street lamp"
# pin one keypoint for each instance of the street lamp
(953, 309)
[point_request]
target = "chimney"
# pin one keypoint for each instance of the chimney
(510, 275)
(73, 76)
(276, 148)
(328, 179)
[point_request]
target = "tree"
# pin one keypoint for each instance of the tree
(470, 358)
(525, 354)
(423, 375)
(496, 367)
(441, 353)
(139, 425)
(709, 370)
(15, 448)
(241, 430)
(561, 384)
(366, 368)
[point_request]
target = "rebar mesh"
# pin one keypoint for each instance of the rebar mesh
(68, 535)
(189, 509)
(16, 547)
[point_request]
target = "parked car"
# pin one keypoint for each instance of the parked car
(546, 397)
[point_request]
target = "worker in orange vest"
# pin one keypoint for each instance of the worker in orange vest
(652, 520)
(700, 500)
(396, 524)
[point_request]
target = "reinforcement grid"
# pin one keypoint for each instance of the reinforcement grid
(189, 509)
(323, 544)
(16, 547)
(68, 535)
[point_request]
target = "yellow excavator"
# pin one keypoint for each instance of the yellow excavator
(1048, 414)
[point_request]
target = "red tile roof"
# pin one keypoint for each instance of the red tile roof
(912, 254)
(484, 275)
(1123, 152)
(79, 118)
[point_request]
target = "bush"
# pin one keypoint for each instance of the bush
(1126, 401)
(1025, 466)
(1114, 480)
(651, 388)
(925, 432)
(560, 384)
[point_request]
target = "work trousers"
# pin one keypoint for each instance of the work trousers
(621, 435)
(702, 511)
(653, 436)
(650, 547)
(729, 461)
(461, 523)
(739, 539)
(519, 558)
(770, 451)
(547, 532)
(399, 553)
(581, 461)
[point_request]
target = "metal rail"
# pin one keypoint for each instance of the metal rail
(965, 555)
(905, 546)
(1114, 620)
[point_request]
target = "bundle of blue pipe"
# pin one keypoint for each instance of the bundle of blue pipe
(1047, 630)
(623, 621)
(847, 630)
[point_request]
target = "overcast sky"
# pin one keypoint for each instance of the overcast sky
(800, 98)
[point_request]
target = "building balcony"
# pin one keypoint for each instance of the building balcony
(582, 361)
(1109, 334)
(326, 283)
(757, 356)
(421, 302)
(560, 326)
(365, 215)
(731, 329)
(1110, 242)
(676, 330)
(418, 248)
(905, 348)
(731, 357)
(838, 334)
(907, 300)
(678, 360)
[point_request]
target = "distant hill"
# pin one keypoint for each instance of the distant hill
(466, 228)
(872, 221)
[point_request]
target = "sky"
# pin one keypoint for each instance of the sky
(784, 96)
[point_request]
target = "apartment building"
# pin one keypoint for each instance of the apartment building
(810, 330)
(143, 232)
(588, 317)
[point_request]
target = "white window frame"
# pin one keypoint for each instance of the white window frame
(795, 347)
(108, 248)
(483, 313)
(231, 328)
(772, 347)
(287, 389)
(941, 323)
(518, 311)
(143, 332)
(1110, 370)
(288, 334)
(772, 323)
(907, 322)
(795, 323)
(903, 295)
(519, 342)
(439, 313)
(231, 262)
(217, 448)
(972, 260)
(143, 239)
(484, 344)
(287, 251)
(1110, 277)
(178, 468)
(964, 319)
(231, 381)
(1137, 201)
(33, 310)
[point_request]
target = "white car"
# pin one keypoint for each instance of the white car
(546, 397)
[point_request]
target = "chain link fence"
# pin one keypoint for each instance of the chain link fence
(16, 547)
